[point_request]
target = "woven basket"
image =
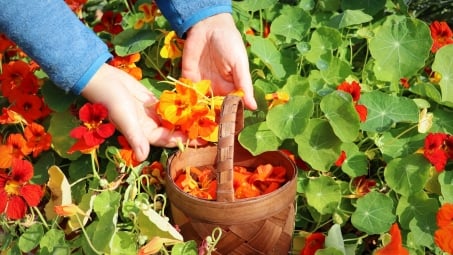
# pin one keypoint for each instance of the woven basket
(259, 225)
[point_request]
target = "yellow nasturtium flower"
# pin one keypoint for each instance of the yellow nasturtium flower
(173, 46)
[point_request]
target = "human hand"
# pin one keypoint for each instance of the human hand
(130, 107)
(214, 51)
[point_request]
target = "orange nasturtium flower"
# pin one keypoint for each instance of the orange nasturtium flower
(395, 246)
(126, 154)
(9, 116)
(150, 12)
(38, 140)
(127, 64)
(93, 130)
(441, 34)
(14, 148)
(16, 193)
(154, 173)
(68, 210)
(173, 46)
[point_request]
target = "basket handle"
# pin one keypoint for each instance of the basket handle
(231, 123)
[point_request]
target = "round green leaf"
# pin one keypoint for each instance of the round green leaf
(374, 213)
(400, 47)
(443, 63)
(318, 145)
(61, 124)
(350, 18)
(384, 110)
(355, 164)
(369, 7)
(288, 120)
(339, 110)
(268, 53)
(132, 40)
(258, 138)
(31, 237)
(336, 70)
(123, 243)
(446, 186)
(407, 175)
(323, 40)
(292, 24)
(323, 194)
(255, 5)
(417, 206)
(56, 98)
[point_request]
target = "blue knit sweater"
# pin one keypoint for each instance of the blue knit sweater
(68, 51)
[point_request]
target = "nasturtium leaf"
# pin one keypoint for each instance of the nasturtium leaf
(384, 110)
(57, 99)
(370, 7)
(446, 186)
(323, 40)
(443, 64)
(318, 145)
(106, 206)
(31, 237)
(255, 5)
(61, 124)
(442, 121)
(329, 251)
(417, 206)
(392, 145)
(258, 138)
(339, 110)
(350, 18)
(355, 164)
(267, 52)
(186, 248)
(289, 119)
(296, 85)
(374, 213)
(428, 90)
(132, 40)
(422, 231)
(400, 47)
(53, 240)
(334, 239)
(150, 223)
(106, 201)
(123, 242)
(60, 191)
(323, 193)
(293, 23)
(336, 70)
(407, 175)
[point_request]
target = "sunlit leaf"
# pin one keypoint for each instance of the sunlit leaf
(342, 116)
(334, 238)
(59, 188)
(258, 138)
(318, 145)
(323, 193)
(268, 53)
(417, 206)
(384, 110)
(150, 223)
(323, 40)
(443, 64)
(131, 41)
(374, 213)
(350, 18)
(255, 5)
(446, 186)
(288, 120)
(400, 46)
(123, 242)
(186, 248)
(293, 23)
(407, 175)
(31, 237)
(61, 124)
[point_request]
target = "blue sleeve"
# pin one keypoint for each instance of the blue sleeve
(51, 34)
(183, 14)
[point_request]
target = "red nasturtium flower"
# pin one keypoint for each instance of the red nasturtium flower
(363, 185)
(313, 242)
(441, 34)
(339, 162)
(76, 6)
(110, 23)
(353, 88)
(93, 130)
(16, 193)
(18, 76)
(395, 246)
(38, 140)
(127, 64)
(31, 107)
(434, 150)
(14, 148)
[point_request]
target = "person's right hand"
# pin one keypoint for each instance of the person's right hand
(128, 103)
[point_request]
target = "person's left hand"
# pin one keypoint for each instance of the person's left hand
(214, 50)
(130, 107)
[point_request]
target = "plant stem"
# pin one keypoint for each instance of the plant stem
(86, 236)
(41, 217)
